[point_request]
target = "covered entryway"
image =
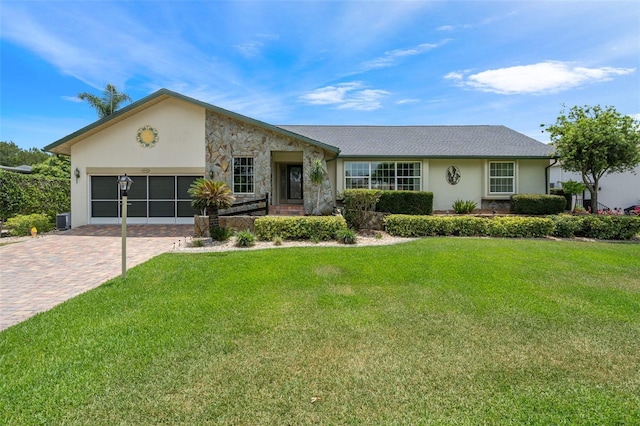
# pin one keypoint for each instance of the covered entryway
(151, 200)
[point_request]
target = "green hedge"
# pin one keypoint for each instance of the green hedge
(406, 202)
(601, 227)
(21, 225)
(22, 194)
(499, 226)
(560, 192)
(360, 205)
(537, 204)
(298, 227)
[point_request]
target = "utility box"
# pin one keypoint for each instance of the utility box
(63, 221)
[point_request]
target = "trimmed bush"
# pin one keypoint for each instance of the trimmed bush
(605, 227)
(567, 226)
(406, 202)
(508, 227)
(359, 205)
(21, 225)
(560, 192)
(537, 204)
(298, 227)
(33, 194)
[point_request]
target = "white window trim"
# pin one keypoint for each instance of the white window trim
(514, 178)
(419, 177)
(233, 174)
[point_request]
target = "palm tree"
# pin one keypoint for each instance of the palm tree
(210, 196)
(108, 103)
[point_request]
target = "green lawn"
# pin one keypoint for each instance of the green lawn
(436, 331)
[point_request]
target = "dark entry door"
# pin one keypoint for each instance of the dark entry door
(294, 182)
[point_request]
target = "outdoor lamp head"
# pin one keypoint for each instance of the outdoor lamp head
(77, 173)
(125, 183)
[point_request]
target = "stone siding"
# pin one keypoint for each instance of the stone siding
(226, 138)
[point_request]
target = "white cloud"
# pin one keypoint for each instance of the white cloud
(250, 48)
(407, 101)
(353, 95)
(540, 78)
(391, 57)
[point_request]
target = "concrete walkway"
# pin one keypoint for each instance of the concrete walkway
(40, 273)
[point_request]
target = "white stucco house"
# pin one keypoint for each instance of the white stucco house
(167, 140)
(616, 190)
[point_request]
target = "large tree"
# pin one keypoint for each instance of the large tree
(12, 155)
(110, 101)
(595, 141)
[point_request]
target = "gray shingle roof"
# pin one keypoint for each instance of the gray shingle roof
(426, 141)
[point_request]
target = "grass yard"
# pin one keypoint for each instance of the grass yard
(436, 331)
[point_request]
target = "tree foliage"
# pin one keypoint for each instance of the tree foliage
(594, 141)
(109, 103)
(12, 155)
(56, 166)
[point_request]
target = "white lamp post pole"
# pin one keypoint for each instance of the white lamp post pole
(124, 183)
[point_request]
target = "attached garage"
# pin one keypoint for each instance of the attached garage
(151, 200)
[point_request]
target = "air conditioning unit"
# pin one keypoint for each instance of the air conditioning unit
(63, 221)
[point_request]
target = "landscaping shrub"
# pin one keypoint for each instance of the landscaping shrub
(601, 227)
(359, 205)
(33, 194)
(21, 225)
(346, 236)
(421, 226)
(560, 192)
(406, 202)
(519, 227)
(245, 239)
(220, 233)
(605, 227)
(537, 204)
(464, 207)
(567, 226)
(298, 227)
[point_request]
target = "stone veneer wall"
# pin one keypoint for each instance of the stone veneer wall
(226, 138)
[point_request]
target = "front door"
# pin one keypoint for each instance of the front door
(294, 182)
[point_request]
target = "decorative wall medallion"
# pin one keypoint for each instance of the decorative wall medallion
(147, 136)
(453, 175)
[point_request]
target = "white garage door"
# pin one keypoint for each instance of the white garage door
(152, 199)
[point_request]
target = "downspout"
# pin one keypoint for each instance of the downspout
(546, 175)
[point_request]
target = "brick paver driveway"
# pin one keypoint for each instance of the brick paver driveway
(40, 273)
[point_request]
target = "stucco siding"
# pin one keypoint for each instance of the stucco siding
(469, 187)
(115, 150)
(531, 176)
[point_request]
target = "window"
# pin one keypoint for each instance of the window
(243, 175)
(382, 175)
(502, 178)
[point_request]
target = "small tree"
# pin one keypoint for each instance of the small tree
(209, 196)
(317, 177)
(573, 188)
(593, 142)
(107, 104)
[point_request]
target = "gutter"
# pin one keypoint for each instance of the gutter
(546, 175)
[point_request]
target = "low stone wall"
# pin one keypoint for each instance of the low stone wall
(239, 223)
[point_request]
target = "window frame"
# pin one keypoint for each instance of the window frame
(378, 175)
(246, 185)
(491, 178)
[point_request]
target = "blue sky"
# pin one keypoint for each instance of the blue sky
(513, 63)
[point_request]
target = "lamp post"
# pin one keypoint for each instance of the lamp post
(124, 183)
